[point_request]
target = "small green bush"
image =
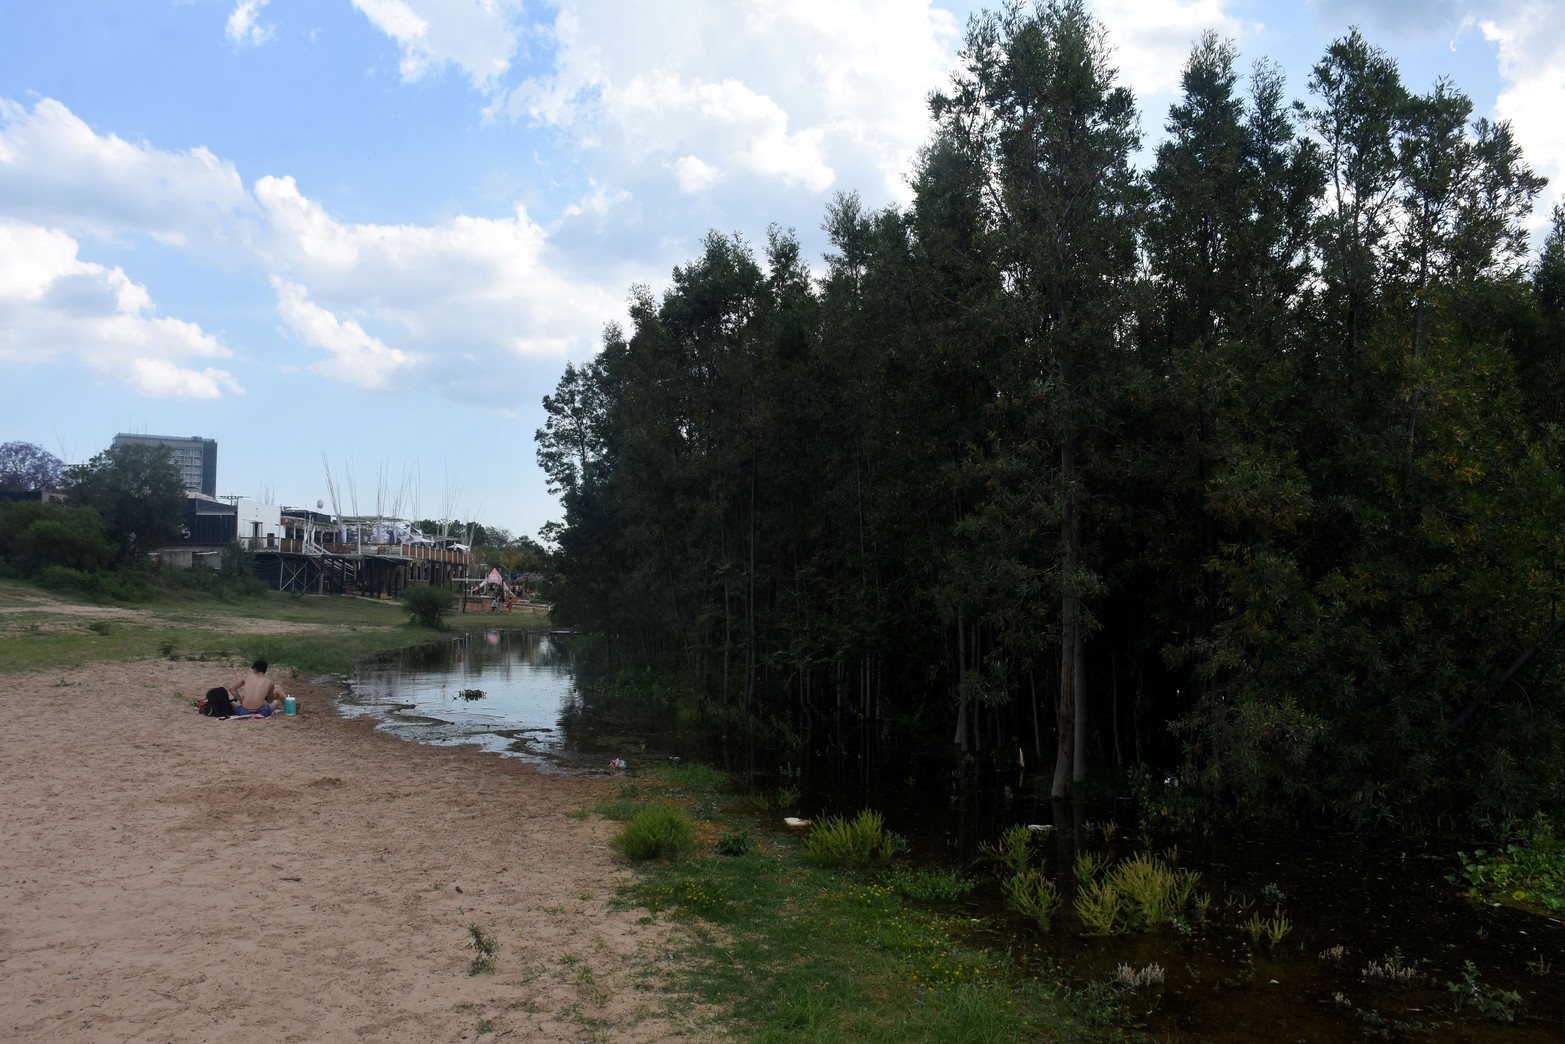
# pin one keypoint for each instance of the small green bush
(486, 948)
(655, 832)
(733, 842)
(854, 843)
(427, 606)
(1030, 893)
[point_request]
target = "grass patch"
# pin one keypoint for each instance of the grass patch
(313, 633)
(789, 949)
(655, 832)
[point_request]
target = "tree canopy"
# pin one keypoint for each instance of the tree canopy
(1248, 464)
(138, 492)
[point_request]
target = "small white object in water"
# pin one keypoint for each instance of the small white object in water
(1040, 828)
(794, 821)
(617, 763)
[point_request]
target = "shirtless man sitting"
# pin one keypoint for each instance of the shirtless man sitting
(255, 693)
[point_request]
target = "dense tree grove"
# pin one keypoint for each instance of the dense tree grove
(1249, 462)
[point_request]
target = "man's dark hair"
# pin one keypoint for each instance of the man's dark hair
(259, 666)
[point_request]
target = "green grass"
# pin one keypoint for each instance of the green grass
(787, 950)
(321, 634)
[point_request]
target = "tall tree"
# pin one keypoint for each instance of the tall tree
(137, 491)
(1036, 108)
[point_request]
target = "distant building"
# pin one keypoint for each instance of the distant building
(195, 457)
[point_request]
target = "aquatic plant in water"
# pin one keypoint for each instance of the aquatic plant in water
(1136, 894)
(1133, 978)
(1270, 930)
(1393, 969)
(1013, 851)
(1490, 1002)
(1529, 871)
(1030, 893)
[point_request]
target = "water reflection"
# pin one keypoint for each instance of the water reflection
(502, 691)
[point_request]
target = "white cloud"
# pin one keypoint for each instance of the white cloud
(356, 357)
(1151, 39)
(57, 171)
(1531, 41)
(468, 296)
(55, 306)
(695, 174)
(814, 95)
(243, 29)
(479, 36)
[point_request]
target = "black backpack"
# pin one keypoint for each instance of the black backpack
(217, 704)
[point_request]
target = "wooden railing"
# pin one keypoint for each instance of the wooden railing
(412, 552)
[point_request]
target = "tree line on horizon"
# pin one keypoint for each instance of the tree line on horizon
(1248, 463)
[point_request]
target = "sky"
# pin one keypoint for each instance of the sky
(357, 241)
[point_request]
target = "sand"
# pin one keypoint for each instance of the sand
(169, 877)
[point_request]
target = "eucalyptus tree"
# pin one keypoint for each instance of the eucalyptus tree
(1035, 110)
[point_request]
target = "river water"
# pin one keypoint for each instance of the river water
(1354, 903)
(512, 693)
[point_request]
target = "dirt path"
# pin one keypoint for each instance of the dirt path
(334, 902)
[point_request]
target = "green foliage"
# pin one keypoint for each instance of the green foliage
(733, 842)
(1013, 851)
(138, 492)
(1528, 872)
(37, 534)
(426, 606)
(1269, 437)
(1137, 894)
(655, 832)
(1270, 930)
(928, 886)
(486, 950)
(835, 841)
(1489, 1002)
(1030, 893)
(894, 971)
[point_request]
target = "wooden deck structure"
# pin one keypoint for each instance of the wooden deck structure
(308, 561)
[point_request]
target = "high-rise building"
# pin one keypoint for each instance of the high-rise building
(195, 457)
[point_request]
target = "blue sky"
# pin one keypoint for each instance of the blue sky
(369, 234)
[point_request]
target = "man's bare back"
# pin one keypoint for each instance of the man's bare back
(256, 693)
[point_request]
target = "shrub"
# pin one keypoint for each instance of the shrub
(1013, 851)
(1137, 894)
(427, 606)
(63, 578)
(835, 841)
(655, 832)
(1030, 893)
(733, 842)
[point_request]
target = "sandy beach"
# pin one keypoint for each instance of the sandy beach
(168, 877)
